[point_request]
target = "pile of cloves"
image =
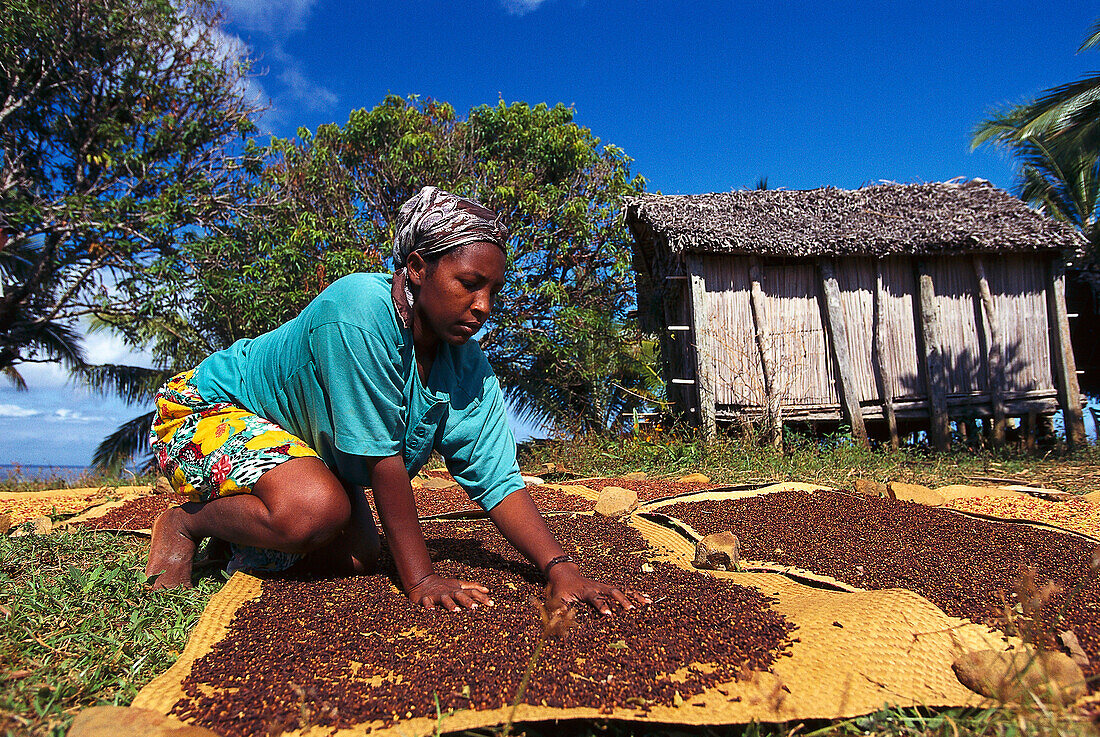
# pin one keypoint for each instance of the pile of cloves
(971, 568)
(352, 651)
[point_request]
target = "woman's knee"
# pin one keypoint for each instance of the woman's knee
(314, 527)
(308, 506)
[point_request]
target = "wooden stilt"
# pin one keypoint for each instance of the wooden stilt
(939, 430)
(704, 362)
(1065, 368)
(886, 379)
(763, 345)
(834, 320)
(975, 432)
(995, 355)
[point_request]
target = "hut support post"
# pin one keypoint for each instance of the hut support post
(1065, 368)
(995, 362)
(704, 350)
(763, 345)
(885, 375)
(838, 337)
(940, 426)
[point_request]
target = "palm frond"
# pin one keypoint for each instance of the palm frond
(1091, 40)
(1067, 109)
(58, 342)
(15, 378)
(131, 384)
(1001, 127)
(119, 448)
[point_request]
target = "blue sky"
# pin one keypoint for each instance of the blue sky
(705, 96)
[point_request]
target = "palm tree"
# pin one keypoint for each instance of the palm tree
(27, 330)
(1067, 116)
(133, 385)
(1056, 143)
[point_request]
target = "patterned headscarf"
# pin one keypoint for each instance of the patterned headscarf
(434, 222)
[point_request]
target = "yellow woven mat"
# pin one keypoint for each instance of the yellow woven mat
(28, 505)
(856, 652)
(163, 691)
(1077, 515)
(723, 495)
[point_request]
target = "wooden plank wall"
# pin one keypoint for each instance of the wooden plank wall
(737, 367)
(1018, 285)
(904, 381)
(799, 344)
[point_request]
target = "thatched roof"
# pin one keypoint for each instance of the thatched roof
(942, 217)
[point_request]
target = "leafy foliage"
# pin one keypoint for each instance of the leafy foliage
(122, 124)
(1056, 143)
(1066, 116)
(561, 341)
(116, 121)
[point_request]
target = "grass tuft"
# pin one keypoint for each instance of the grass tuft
(833, 459)
(79, 627)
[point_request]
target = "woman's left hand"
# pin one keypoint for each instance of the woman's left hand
(567, 585)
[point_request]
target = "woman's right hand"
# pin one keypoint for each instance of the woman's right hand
(451, 593)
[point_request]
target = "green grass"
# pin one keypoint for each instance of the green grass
(80, 627)
(17, 481)
(834, 460)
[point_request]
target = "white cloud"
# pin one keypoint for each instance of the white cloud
(14, 410)
(72, 415)
(304, 91)
(274, 17)
(521, 7)
(43, 375)
(106, 347)
(230, 47)
(288, 88)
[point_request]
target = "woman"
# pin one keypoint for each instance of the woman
(274, 438)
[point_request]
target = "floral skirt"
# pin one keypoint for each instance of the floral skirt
(213, 449)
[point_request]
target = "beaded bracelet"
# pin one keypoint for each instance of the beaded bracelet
(554, 561)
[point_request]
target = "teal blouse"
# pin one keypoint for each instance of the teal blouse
(342, 377)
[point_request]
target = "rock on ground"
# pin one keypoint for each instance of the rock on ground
(916, 493)
(615, 501)
(869, 487)
(719, 551)
(1019, 675)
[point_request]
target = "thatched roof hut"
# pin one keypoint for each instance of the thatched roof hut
(886, 302)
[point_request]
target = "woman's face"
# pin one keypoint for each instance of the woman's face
(456, 293)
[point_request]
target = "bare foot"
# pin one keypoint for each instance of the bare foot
(170, 551)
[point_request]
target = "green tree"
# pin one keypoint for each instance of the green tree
(1055, 141)
(47, 340)
(1065, 117)
(118, 121)
(561, 342)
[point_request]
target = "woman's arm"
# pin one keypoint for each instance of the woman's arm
(393, 498)
(518, 519)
